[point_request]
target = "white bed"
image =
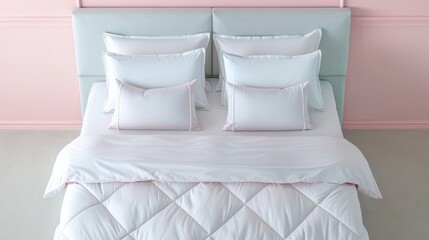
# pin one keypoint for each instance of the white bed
(158, 206)
(211, 184)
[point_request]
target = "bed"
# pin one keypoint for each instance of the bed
(211, 184)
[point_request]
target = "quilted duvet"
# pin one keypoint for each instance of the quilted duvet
(157, 210)
(209, 189)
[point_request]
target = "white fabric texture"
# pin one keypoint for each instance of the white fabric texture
(277, 71)
(210, 188)
(267, 109)
(211, 211)
(155, 71)
(152, 45)
(263, 45)
(175, 158)
(170, 108)
(325, 123)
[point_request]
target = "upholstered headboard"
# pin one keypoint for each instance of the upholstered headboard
(90, 23)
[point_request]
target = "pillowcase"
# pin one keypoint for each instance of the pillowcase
(155, 71)
(145, 45)
(170, 108)
(269, 109)
(152, 45)
(275, 71)
(263, 45)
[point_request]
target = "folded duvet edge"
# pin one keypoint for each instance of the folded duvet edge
(90, 159)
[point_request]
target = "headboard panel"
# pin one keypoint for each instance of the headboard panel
(90, 23)
(334, 22)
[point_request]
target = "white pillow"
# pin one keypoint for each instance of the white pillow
(145, 45)
(152, 45)
(263, 45)
(155, 71)
(269, 109)
(275, 71)
(170, 108)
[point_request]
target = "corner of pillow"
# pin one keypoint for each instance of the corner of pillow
(227, 127)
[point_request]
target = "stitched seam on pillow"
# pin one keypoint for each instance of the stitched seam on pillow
(233, 108)
(190, 106)
(107, 81)
(202, 76)
(303, 106)
(118, 99)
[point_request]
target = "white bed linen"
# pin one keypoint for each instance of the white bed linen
(216, 186)
(325, 123)
(210, 188)
(211, 211)
(177, 158)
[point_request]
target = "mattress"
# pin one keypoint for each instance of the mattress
(325, 123)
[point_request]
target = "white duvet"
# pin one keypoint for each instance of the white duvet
(103, 159)
(211, 188)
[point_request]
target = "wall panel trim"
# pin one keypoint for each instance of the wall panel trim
(388, 124)
(390, 21)
(36, 21)
(40, 124)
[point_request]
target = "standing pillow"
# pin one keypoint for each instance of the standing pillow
(263, 45)
(145, 45)
(268, 109)
(274, 71)
(153, 45)
(170, 108)
(155, 71)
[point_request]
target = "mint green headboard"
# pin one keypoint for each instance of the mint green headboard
(334, 22)
(90, 23)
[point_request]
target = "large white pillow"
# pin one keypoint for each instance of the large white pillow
(145, 45)
(152, 45)
(170, 108)
(263, 45)
(276, 71)
(155, 71)
(268, 109)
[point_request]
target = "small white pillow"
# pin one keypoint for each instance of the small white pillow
(264, 45)
(268, 109)
(155, 71)
(274, 71)
(145, 45)
(170, 108)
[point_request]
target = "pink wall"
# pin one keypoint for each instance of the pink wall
(387, 85)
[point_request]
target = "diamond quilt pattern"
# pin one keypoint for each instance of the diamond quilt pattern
(210, 211)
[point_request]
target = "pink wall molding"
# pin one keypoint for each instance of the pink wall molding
(208, 3)
(385, 124)
(40, 124)
(35, 21)
(390, 21)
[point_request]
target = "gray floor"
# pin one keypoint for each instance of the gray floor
(400, 163)
(399, 160)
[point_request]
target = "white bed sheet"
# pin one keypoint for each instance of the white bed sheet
(325, 123)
